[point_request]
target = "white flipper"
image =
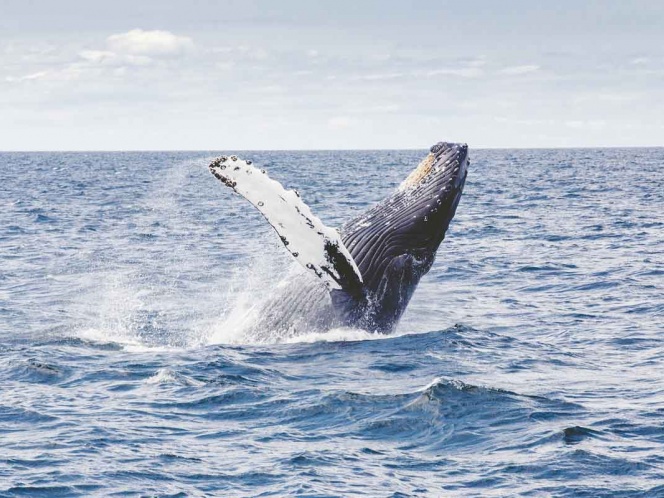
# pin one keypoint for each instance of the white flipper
(315, 246)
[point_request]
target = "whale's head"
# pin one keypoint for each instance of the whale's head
(395, 242)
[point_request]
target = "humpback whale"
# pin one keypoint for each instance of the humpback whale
(364, 274)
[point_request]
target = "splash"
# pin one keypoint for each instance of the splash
(239, 309)
(160, 290)
(193, 270)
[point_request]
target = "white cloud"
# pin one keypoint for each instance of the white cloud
(28, 77)
(462, 72)
(369, 109)
(526, 122)
(379, 77)
(68, 73)
(107, 58)
(133, 48)
(93, 58)
(149, 43)
(98, 56)
(516, 70)
(603, 97)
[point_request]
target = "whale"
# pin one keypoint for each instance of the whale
(363, 274)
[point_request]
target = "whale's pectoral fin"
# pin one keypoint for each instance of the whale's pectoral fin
(315, 246)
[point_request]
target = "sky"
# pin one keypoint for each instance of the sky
(298, 74)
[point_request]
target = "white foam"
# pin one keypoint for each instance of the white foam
(145, 304)
(125, 342)
(341, 334)
(246, 292)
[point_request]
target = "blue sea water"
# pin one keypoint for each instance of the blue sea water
(529, 363)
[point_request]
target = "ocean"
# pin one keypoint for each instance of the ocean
(530, 361)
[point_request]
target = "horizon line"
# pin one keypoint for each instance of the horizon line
(581, 147)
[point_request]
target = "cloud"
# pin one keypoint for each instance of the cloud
(107, 58)
(97, 56)
(133, 48)
(462, 72)
(28, 77)
(122, 51)
(149, 43)
(516, 70)
(533, 122)
(615, 97)
(379, 77)
(68, 73)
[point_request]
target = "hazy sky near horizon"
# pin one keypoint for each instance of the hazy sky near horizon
(219, 75)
